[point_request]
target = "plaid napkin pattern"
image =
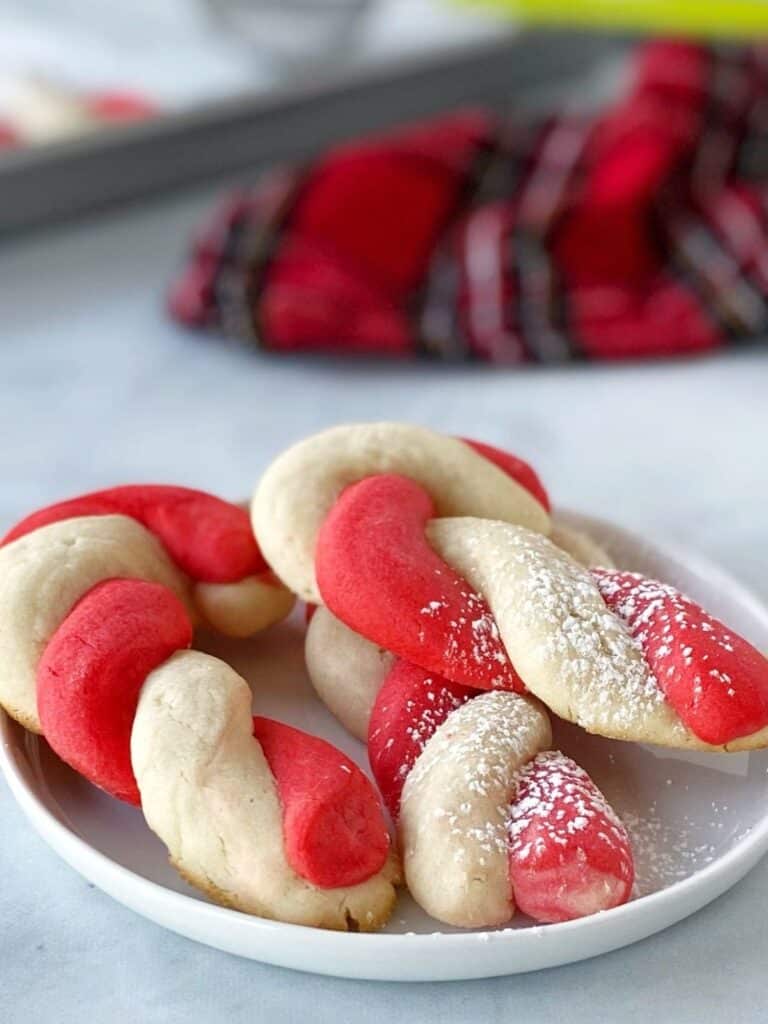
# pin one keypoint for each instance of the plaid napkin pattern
(641, 232)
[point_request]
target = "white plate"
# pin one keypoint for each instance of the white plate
(700, 822)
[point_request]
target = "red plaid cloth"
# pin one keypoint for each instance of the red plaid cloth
(639, 233)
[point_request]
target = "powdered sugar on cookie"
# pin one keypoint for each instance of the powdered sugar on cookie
(713, 678)
(490, 818)
(564, 643)
(569, 853)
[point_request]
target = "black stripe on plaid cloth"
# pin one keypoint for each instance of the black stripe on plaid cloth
(252, 246)
(721, 248)
(230, 286)
(708, 268)
(438, 333)
(714, 237)
(730, 94)
(542, 309)
(752, 158)
(751, 162)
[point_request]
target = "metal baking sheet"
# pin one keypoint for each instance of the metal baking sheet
(39, 185)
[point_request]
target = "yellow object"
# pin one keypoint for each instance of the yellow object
(700, 17)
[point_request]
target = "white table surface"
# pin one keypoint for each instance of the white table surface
(97, 387)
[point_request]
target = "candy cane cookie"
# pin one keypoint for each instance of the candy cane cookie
(98, 602)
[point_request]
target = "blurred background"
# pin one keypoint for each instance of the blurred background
(226, 222)
(98, 99)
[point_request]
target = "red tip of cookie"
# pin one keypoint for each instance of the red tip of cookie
(209, 539)
(410, 706)
(93, 668)
(519, 470)
(378, 574)
(333, 826)
(569, 855)
(715, 680)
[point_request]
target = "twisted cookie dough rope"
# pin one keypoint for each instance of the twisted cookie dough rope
(487, 816)
(232, 588)
(94, 624)
(347, 670)
(493, 604)
(597, 664)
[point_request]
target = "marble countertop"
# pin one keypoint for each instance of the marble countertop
(97, 387)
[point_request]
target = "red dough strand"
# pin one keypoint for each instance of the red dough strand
(333, 827)
(93, 668)
(716, 681)
(568, 849)
(378, 574)
(209, 539)
(515, 467)
(410, 706)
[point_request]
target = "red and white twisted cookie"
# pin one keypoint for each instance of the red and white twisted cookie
(489, 817)
(98, 599)
(481, 596)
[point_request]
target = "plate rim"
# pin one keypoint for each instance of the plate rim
(165, 906)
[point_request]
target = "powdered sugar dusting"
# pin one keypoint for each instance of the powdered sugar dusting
(410, 706)
(471, 636)
(558, 805)
(471, 760)
(421, 727)
(564, 642)
(643, 602)
(714, 679)
(666, 852)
